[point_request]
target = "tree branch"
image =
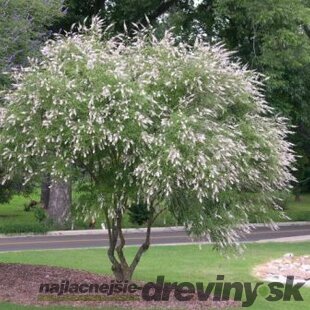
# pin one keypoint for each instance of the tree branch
(144, 247)
(99, 6)
(146, 244)
(113, 236)
(161, 9)
(307, 30)
(119, 248)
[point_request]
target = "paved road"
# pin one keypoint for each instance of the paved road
(135, 238)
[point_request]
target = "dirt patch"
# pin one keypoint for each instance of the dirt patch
(20, 284)
(289, 265)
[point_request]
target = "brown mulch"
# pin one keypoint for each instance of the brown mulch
(20, 284)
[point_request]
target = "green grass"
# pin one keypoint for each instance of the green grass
(177, 263)
(299, 210)
(13, 218)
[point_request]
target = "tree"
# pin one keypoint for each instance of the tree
(272, 37)
(59, 204)
(23, 27)
(151, 123)
(14, 186)
(116, 12)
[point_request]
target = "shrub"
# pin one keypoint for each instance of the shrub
(40, 214)
(139, 213)
(153, 121)
(36, 228)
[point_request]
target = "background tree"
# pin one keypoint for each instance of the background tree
(116, 12)
(15, 185)
(151, 123)
(272, 37)
(269, 35)
(24, 26)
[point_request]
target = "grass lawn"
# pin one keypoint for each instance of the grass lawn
(13, 218)
(299, 210)
(177, 263)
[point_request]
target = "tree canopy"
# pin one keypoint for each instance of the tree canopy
(23, 26)
(270, 36)
(152, 122)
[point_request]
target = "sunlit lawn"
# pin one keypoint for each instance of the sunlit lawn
(176, 263)
(13, 218)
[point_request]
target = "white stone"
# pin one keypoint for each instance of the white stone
(287, 255)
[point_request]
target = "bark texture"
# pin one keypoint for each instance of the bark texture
(121, 269)
(59, 202)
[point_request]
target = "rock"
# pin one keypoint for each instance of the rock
(288, 255)
(279, 269)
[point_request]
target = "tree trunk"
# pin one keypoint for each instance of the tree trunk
(45, 191)
(122, 273)
(99, 5)
(59, 202)
(297, 192)
(297, 197)
(120, 268)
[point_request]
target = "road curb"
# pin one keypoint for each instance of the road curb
(286, 239)
(93, 232)
(128, 230)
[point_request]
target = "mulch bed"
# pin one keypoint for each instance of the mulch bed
(20, 284)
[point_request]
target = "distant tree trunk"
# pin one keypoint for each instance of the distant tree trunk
(297, 196)
(59, 202)
(297, 192)
(45, 191)
(99, 5)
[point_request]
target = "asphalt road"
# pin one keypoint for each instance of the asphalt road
(134, 238)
